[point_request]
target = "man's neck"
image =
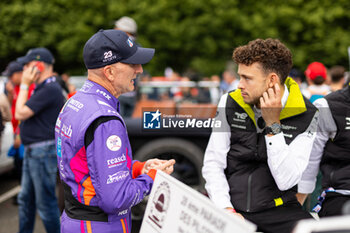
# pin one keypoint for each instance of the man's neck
(104, 83)
(43, 76)
(336, 86)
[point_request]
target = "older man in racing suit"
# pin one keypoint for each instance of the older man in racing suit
(101, 180)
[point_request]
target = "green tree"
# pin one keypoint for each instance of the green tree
(187, 34)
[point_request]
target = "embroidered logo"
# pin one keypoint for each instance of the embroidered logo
(240, 117)
(108, 54)
(130, 43)
(117, 177)
(114, 143)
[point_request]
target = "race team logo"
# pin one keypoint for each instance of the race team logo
(151, 120)
(114, 143)
(117, 177)
(160, 204)
(240, 116)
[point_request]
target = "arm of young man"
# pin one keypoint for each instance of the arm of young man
(286, 162)
(326, 129)
(215, 163)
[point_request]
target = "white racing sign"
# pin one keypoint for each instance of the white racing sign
(173, 207)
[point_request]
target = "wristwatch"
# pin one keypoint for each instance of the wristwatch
(274, 129)
(23, 87)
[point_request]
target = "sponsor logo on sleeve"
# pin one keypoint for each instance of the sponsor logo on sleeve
(58, 125)
(123, 212)
(117, 177)
(66, 130)
(114, 143)
(116, 161)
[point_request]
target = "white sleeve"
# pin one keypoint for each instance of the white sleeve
(326, 129)
(215, 160)
(288, 162)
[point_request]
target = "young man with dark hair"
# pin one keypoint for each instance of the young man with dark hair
(253, 163)
(337, 74)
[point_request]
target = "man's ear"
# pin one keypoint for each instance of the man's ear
(108, 72)
(273, 77)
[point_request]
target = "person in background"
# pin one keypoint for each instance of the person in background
(330, 155)
(316, 75)
(127, 25)
(254, 161)
(14, 74)
(337, 74)
(5, 113)
(297, 76)
(214, 90)
(127, 100)
(38, 116)
(230, 79)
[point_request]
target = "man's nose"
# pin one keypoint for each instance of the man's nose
(139, 69)
(240, 84)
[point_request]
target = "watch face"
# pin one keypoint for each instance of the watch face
(275, 128)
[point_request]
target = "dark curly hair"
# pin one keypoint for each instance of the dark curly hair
(270, 53)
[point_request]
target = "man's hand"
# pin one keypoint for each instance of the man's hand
(166, 166)
(30, 75)
(301, 197)
(232, 210)
(271, 105)
(17, 142)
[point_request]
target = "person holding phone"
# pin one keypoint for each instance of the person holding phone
(100, 178)
(38, 117)
(253, 163)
